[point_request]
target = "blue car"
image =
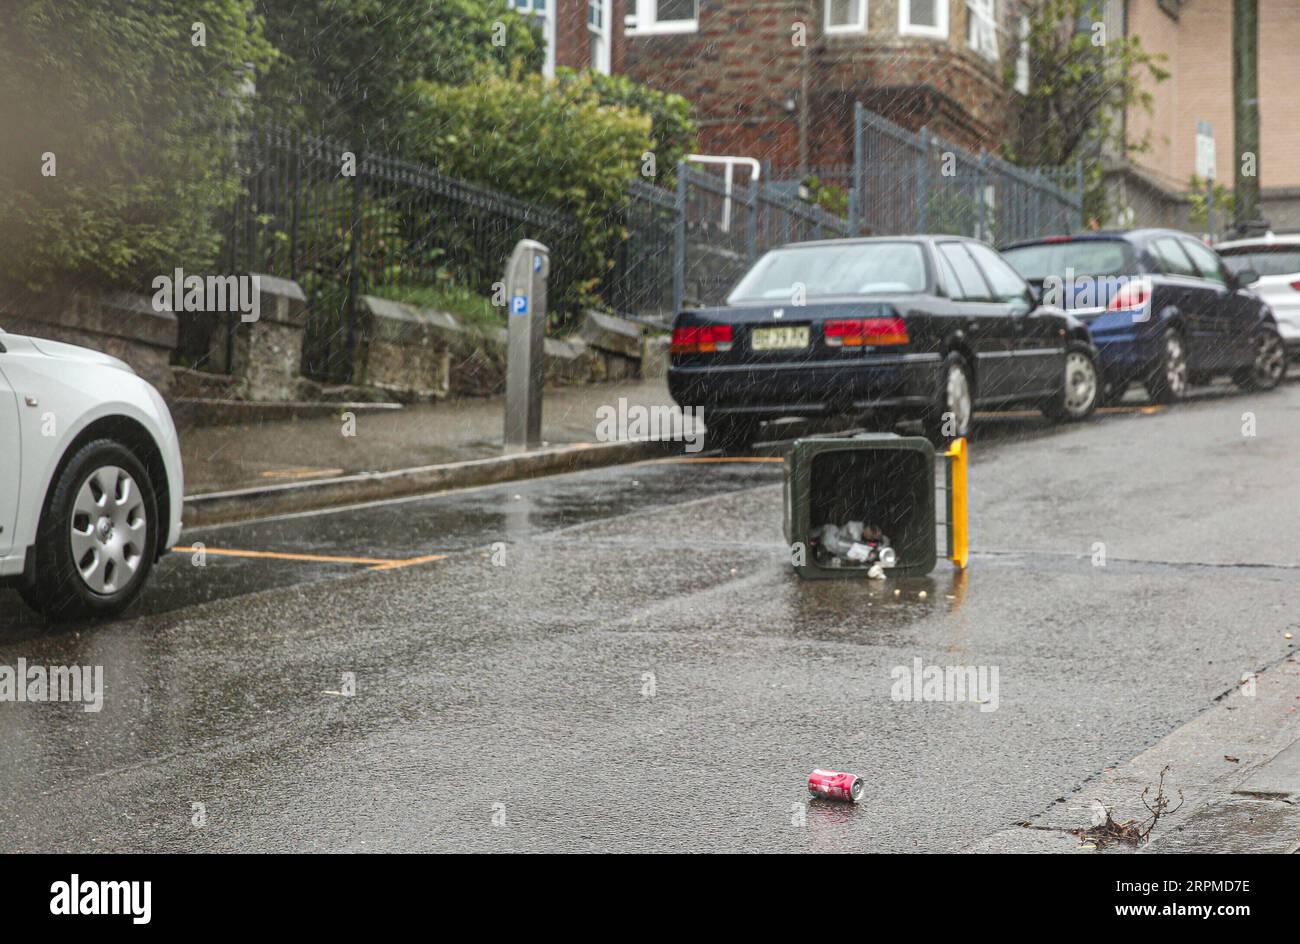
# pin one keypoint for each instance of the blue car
(1161, 307)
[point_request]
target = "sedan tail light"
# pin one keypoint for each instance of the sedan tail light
(858, 332)
(1131, 295)
(1296, 285)
(704, 339)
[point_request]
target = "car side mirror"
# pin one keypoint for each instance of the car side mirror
(1247, 277)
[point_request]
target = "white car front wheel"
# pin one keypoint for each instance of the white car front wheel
(97, 537)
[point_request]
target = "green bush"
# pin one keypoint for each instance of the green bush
(553, 144)
(343, 64)
(673, 133)
(137, 117)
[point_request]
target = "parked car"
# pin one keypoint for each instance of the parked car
(912, 326)
(90, 478)
(1276, 260)
(1161, 307)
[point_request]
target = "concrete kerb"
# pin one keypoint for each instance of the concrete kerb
(283, 498)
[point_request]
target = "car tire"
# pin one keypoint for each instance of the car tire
(730, 433)
(1168, 382)
(1270, 362)
(97, 536)
(1111, 393)
(954, 402)
(1080, 386)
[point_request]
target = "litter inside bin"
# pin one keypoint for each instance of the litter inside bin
(853, 544)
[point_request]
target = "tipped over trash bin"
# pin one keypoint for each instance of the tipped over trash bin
(865, 506)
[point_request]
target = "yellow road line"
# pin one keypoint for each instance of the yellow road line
(301, 472)
(373, 563)
(399, 564)
(1144, 410)
(716, 459)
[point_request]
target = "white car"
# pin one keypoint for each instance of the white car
(1276, 260)
(90, 478)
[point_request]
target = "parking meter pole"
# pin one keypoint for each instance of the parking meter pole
(958, 513)
(526, 276)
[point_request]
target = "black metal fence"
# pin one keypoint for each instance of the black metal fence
(721, 233)
(342, 224)
(920, 183)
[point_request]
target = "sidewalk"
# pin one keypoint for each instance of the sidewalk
(298, 463)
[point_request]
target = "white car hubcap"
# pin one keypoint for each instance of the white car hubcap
(109, 527)
(1080, 383)
(959, 404)
(1269, 358)
(1175, 365)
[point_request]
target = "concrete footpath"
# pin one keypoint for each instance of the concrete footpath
(257, 469)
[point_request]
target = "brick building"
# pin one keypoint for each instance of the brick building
(1196, 38)
(580, 34)
(776, 79)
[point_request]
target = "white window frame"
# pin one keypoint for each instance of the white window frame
(646, 22)
(907, 28)
(859, 27)
(1022, 58)
(603, 63)
(983, 13)
(547, 16)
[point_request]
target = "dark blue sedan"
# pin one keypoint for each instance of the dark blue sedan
(1161, 307)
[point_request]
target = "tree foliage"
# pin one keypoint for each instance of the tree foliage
(556, 144)
(115, 148)
(344, 65)
(673, 132)
(1081, 82)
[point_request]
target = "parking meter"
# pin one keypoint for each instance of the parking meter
(526, 274)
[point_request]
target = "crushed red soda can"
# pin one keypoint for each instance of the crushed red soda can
(833, 785)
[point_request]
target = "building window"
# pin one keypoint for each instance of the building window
(923, 18)
(846, 16)
(982, 27)
(598, 34)
(544, 10)
(1022, 58)
(664, 16)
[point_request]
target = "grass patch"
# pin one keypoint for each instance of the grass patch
(474, 311)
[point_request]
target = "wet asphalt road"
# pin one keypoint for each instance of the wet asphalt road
(642, 670)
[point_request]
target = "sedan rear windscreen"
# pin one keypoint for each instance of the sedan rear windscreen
(1265, 260)
(1084, 257)
(827, 270)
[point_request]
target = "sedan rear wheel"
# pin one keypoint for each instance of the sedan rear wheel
(1080, 386)
(1270, 363)
(1168, 383)
(950, 416)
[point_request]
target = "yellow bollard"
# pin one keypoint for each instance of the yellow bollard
(958, 516)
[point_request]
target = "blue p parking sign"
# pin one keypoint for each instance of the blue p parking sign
(519, 305)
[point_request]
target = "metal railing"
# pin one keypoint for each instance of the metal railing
(720, 235)
(345, 224)
(905, 182)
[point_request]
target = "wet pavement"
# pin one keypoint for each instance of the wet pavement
(623, 659)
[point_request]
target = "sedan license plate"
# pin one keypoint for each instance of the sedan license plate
(784, 338)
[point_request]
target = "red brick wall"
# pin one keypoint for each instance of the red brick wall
(741, 71)
(572, 47)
